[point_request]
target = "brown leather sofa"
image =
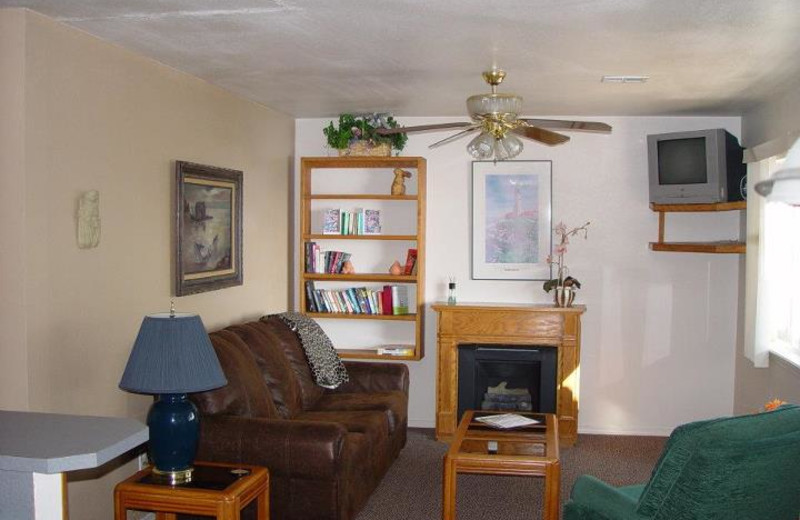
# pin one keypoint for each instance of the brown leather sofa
(326, 450)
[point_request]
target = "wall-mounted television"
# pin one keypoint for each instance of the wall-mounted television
(695, 167)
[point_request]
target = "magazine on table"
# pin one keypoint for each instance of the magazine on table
(506, 420)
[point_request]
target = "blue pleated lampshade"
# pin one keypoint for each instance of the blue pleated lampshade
(172, 355)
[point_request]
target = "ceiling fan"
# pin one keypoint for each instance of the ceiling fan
(494, 116)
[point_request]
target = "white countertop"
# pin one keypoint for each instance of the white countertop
(55, 443)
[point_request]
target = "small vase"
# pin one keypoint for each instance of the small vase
(564, 296)
(396, 269)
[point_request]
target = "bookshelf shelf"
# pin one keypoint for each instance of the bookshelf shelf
(354, 196)
(348, 316)
(319, 236)
(363, 277)
(377, 169)
(366, 354)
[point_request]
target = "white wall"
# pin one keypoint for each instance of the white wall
(659, 333)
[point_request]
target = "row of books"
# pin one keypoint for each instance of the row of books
(391, 300)
(396, 350)
(321, 262)
(357, 222)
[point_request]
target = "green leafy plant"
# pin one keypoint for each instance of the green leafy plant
(363, 128)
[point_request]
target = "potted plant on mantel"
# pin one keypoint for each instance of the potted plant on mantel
(564, 285)
(356, 136)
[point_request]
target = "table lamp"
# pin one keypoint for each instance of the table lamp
(172, 356)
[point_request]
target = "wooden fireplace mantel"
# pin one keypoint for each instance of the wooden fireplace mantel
(509, 324)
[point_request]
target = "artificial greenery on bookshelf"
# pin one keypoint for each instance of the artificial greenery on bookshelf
(353, 128)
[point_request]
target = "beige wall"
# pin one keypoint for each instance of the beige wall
(98, 117)
(13, 355)
(754, 386)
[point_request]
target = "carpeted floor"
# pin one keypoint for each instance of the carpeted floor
(413, 487)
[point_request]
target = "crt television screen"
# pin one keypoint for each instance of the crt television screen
(682, 161)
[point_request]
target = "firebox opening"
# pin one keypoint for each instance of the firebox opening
(510, 378)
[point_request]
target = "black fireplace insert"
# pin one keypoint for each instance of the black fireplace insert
(511, 378)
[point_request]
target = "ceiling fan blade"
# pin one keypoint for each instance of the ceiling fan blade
(422, 128)
(589, 126)
(541, 135)
(453, 137)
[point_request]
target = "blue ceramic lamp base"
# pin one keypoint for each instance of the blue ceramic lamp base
(174, 430)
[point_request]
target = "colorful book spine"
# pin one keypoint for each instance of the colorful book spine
(386, 297)
(411, 262)
(331, 222)
(399, 300)
(372, 222)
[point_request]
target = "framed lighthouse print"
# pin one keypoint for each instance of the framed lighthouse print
(511, 220)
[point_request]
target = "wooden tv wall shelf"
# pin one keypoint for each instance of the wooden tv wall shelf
(378, 166)
(724, 246)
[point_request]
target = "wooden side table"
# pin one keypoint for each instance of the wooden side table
(218, 490)
(524, 451)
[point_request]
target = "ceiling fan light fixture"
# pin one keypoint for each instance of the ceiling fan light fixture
(496, 118)
(481, 104)
(482, 146)
(507, 147)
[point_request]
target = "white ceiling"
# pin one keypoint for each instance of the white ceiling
(317, 58)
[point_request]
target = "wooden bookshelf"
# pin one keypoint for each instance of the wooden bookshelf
(308, 233)
(722, 246)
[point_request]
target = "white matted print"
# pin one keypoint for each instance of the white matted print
(511, 229)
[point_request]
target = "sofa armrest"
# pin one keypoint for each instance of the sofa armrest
(593, 499)
(295, 449)
(375, 377)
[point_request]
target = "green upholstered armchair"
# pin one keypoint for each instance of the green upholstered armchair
(735, 468)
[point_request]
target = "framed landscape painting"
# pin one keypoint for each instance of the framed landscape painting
(208, 228)
(511, 229)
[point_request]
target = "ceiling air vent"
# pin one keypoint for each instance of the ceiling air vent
(624, 79)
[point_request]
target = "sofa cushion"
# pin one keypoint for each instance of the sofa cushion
(693, 442)
(394, 404)
(274, 367)
(290, 343)
(373, 425)
(245, 394)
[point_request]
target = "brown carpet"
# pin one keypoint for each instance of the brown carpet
(412, 489)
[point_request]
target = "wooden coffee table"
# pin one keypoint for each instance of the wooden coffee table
(526, 451)
(217, 490)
